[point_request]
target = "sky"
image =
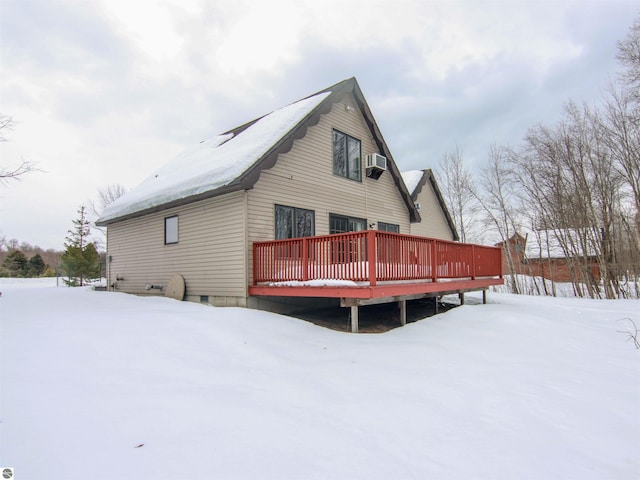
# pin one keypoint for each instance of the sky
(104, 92)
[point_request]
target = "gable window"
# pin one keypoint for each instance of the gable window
(294, 222)
(171, 230)
(342, 224)
(346, 156)
(388, 227)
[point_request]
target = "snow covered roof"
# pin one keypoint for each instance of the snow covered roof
(412, 178)
(213, 163)
(233, 160)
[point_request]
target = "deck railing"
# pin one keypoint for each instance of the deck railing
(371, 256)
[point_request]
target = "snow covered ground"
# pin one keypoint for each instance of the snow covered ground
(100, 385)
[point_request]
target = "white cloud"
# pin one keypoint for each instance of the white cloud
(105, 91)
(261, 40)
(148, 25)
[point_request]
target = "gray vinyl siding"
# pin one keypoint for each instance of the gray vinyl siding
(304, 178)
(434, 223)
(210, 252)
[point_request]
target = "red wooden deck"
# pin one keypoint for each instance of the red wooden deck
(372, 264)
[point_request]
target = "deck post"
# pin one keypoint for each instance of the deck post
(461, 295)
(434, 262)
(403, 312)
(473, 262)
(305, 259)
(484, 296)
(255, 265)
(354, 318)
(372, 261)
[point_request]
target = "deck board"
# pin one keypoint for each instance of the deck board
(377, 291)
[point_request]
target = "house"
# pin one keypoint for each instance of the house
(318, 168)
(426, 194)
(541, 254)
(513, 254)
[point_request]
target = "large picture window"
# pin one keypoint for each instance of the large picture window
(346, 156)
(294, 222)
(171, 230)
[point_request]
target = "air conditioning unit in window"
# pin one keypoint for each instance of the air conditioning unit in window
(375, 160)
(375, 164)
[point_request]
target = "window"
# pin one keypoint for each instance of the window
(388, 227)
(346, 156)
(294, 222)
(171, 230)
(344, 250)
(342, 224)
(387, 253)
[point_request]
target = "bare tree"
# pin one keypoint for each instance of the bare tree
(6, 125)
(623, 128)
(106, 196)
(578, 186)
(560, 184)
(458, 192)
(573, 179)
(496, 196)
(629, 56)
(622, 136)
(15, 172)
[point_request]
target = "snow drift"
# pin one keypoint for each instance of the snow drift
(100, 385)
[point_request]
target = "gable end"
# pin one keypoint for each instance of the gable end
(428, 175)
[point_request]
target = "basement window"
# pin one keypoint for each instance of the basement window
(171, 230)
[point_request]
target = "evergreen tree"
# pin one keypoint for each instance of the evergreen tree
(80, 260)
(36, 265)
(78, 237)
(16, 263)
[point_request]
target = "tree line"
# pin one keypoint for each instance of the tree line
(574, 185)
(16, 264)
(79, 263)
(21, 259)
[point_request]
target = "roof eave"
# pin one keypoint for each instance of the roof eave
(229, 188)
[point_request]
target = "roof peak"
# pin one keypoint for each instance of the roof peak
(340, 86)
